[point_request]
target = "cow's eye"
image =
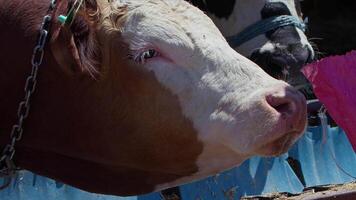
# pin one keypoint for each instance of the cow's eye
(146, 55)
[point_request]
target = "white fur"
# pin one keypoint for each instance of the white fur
(220, 91)
(268, 47)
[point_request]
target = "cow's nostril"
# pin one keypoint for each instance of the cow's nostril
(284, 108)
(285, 105)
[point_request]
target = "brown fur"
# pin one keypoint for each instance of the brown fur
(119, 133)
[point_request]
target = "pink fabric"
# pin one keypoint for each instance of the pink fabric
(334, 83)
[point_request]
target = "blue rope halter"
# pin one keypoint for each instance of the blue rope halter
(264, 26)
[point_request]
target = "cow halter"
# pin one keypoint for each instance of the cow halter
(264, 26)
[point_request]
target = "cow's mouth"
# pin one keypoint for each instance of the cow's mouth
(280, 145)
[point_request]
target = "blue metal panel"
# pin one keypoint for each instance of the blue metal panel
(255, 176)
(28, 186)
(322, 161)
(325, 159)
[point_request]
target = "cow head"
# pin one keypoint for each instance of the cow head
(280, 52)
(170, 101)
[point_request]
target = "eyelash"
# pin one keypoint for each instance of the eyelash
(143, 56)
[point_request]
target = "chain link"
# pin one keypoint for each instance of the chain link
(7, 166)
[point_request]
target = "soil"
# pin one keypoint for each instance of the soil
(321, 192)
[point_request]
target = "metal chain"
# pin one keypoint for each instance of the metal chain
(7, 166)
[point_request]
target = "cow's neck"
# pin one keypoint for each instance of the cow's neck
(89, 128)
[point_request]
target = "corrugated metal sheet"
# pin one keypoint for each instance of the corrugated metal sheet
(325, 159)
(316, 159)
(255, 176)
(29, 186)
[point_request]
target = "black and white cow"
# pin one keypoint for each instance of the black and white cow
(282, 51)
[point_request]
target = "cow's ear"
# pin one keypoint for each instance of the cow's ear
(75, 45)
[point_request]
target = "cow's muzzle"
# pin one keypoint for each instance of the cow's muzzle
(289, 109)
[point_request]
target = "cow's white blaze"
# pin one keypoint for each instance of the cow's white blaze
(220, 91)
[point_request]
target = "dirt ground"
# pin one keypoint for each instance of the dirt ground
(323, 192)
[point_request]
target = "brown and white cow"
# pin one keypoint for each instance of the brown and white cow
(136, 96)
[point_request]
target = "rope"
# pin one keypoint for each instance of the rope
(264, 26)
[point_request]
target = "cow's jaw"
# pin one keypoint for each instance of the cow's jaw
(220, 91)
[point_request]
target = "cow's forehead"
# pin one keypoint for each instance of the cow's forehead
(177, 11)
(172, 26)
